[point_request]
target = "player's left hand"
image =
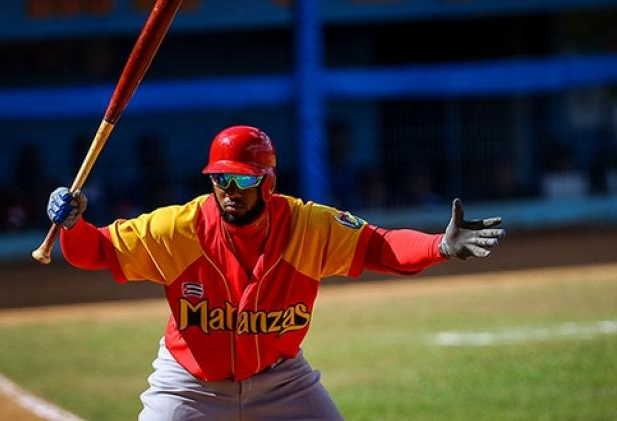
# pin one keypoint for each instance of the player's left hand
(474, 238)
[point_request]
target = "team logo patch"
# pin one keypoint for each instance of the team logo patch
(347, 219)
(192, 289)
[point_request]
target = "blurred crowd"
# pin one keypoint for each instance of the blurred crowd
(24, 198)
(409, 173)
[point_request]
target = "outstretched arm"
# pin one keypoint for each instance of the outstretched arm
(407, 252)
(403, 252)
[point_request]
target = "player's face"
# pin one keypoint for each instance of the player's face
(239, 206)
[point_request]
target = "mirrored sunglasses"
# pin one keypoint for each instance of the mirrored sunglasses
(243, 181)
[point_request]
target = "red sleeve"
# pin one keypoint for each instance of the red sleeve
(403, 252)
(362, 248)
(88, 247)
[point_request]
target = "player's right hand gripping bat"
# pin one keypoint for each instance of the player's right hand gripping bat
(136, 66)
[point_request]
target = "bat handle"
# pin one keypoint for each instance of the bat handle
(43, 253)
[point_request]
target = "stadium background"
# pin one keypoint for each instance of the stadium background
(388, 109)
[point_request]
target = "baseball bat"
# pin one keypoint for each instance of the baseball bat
(141, 56)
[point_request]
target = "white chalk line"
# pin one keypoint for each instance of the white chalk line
(566, 331)
(37, 406)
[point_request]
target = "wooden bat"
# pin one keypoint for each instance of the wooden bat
(141, 56)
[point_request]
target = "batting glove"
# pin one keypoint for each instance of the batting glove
(65, 208)
(474, 238)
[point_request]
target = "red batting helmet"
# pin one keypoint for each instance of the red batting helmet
(244, 150)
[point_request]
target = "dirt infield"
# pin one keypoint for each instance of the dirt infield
(20, 405)
(11, 412)
(26, 283)
(134, 309)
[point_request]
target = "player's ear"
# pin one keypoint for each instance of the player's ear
(268, 185)
(273, 184)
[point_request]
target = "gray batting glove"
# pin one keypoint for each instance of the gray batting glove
(474, 238)
(65, 208)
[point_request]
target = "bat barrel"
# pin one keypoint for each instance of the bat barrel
(141, 57)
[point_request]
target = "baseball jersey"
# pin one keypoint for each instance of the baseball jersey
(226, 323)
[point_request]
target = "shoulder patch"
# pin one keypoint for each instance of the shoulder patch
(348, 220)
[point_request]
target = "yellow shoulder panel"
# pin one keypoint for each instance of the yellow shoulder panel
(158, 246)
(322, 240)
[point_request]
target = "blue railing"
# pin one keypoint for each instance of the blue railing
(489, 78)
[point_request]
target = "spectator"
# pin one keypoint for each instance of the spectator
(12, 212)
(562, 178)
(31, 185)
(505, 183)
(373, 188)
(345, 189)
(154, 181)
(420, 189)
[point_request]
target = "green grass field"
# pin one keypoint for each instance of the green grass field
(375, 346)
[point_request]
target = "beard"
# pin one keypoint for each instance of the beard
(245, 219)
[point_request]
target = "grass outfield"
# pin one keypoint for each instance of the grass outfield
(541, 354)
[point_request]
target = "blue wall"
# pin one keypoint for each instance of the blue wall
(489, 78)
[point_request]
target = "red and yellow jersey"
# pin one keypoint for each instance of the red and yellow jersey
(225, 322)
(218, 330)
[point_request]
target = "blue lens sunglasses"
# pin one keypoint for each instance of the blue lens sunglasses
(223, 180)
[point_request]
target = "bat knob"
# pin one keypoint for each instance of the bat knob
(43, 253)
(41, 256)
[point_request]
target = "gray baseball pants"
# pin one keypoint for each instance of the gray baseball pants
(289, 391)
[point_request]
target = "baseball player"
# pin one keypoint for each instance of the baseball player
(241, 270)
